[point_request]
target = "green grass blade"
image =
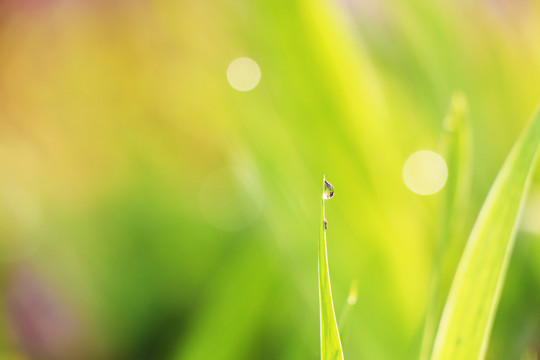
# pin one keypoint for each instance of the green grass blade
(349, 304)
(330, 341)
(344, 321)
(469, 311)
(456, 149)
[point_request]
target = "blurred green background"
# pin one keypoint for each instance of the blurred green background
(148, 210)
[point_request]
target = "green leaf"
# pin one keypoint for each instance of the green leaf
(470, 308)
(330, 341)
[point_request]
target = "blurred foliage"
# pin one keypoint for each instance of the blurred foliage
(467, 319)
(117, 125)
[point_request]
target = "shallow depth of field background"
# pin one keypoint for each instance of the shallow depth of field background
(148, 210)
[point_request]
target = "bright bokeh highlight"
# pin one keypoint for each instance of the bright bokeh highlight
(425, 172)
(243, 74)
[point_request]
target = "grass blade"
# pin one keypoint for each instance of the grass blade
(456, 149)
(330, 341)
(349, 304)
(469, 311)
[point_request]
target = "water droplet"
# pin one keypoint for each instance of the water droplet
(325, 224)
(328, 190)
